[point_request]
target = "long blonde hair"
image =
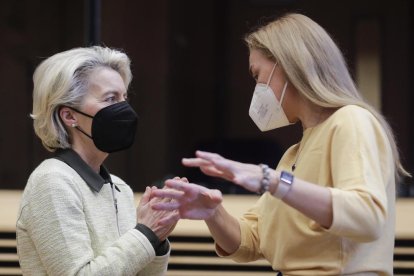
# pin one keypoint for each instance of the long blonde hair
(62, 80)
(315, 66)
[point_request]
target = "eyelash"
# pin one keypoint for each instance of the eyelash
(110, 99)
(113, 98)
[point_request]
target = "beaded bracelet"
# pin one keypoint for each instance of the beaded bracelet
(265, 181)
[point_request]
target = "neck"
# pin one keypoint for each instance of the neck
(83, 145)
(92, 157)
(312, 115)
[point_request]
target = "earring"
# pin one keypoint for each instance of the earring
(74, 125)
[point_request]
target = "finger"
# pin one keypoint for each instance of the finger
(195, 162)
(187, 189)
(168, 193)
(156, 199)
(211, 171)
(146, 196)
(152, 189)
(224, 164)
(209, 156)
(166, 199)
(176, 184)
(175, 178)
(166, 206)
(183, 179)
(217, 160)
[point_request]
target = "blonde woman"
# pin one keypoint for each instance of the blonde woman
(75, 217)
(328, 208)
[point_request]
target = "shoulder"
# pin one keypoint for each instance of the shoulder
(357, 126)
(52, 168)
(352, 125)
(51, 174)
(353, 119)
(352, 113)
(52, 181)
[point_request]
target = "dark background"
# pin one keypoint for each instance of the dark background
(191, 85)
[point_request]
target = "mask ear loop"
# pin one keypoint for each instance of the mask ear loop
(284, 87)
(76, 126)
(283, 92)
(83, 113)
(271, 74)
(82, 131)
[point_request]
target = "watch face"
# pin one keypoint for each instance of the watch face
(286, 177)
(285, 183)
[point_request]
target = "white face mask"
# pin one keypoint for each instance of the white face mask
(265, 110)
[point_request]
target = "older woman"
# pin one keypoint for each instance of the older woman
(328, 208)
(75, 217)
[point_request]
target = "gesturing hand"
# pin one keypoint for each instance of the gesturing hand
(246, 175)
(192, 201)
(152, 218)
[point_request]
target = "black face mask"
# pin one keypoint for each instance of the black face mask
(113, 127)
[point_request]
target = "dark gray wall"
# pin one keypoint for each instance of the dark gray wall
(191, 84)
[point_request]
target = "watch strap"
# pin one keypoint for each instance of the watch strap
(285, 184)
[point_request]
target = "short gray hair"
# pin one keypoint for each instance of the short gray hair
(62, 80)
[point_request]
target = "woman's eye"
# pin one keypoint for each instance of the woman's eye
(111, 99)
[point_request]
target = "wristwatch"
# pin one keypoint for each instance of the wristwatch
(285, 184)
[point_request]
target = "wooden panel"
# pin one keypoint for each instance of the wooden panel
(404, 218)
(10, 271)
(235, 204)
(216, 273)
(192, 248)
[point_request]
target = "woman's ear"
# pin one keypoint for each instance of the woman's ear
(67, 116)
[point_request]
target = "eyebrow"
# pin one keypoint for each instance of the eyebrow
(114, 92)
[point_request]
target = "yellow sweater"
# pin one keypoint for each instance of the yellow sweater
(350, 154)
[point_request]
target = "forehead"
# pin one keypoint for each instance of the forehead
(257, 58)
(104, 78)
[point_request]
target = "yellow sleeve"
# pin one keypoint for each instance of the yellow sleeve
(362, 167)
(249, 249)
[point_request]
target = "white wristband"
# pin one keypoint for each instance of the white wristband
(285, 184)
